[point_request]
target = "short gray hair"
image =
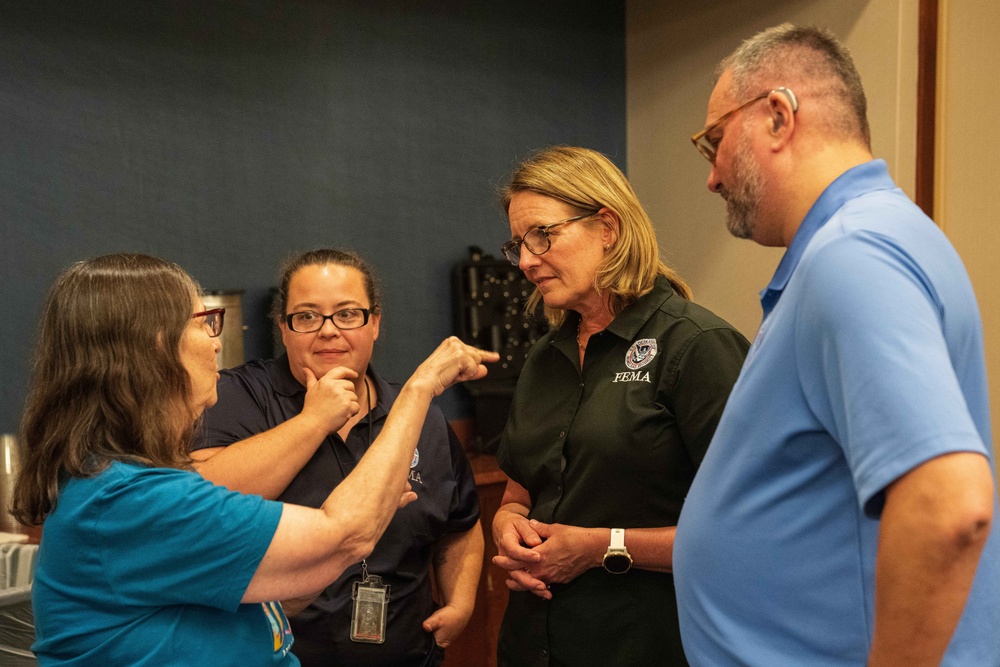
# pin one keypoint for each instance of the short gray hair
(788, 55)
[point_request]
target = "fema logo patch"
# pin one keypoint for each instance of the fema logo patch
(641, 353)
(414, 476)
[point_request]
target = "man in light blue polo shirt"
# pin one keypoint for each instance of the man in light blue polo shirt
(842, 515)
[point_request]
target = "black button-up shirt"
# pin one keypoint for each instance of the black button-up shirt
(614, 444)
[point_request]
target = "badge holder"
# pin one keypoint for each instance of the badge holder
(368, 614)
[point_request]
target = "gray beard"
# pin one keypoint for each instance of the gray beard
(743, 199)
(740, 222)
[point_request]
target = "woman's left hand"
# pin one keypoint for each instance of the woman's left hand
(446, 623)
(567, 551)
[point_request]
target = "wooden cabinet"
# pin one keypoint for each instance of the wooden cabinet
(477, 646)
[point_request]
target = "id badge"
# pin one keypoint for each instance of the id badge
(368, 615)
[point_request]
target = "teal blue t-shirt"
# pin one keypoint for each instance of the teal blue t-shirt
(147, 566)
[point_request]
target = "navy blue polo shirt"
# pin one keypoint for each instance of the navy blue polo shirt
(262, 394)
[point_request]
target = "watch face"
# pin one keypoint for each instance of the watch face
(617, 563)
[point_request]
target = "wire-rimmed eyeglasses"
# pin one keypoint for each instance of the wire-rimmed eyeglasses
(707, 144)
(308, 321)
(537, 240)
(213, 320)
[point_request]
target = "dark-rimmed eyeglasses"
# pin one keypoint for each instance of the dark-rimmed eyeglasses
(708, 145)
(308, 321)
(213, 320)
(537, 240)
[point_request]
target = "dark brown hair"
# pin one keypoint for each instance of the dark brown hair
(325, 257)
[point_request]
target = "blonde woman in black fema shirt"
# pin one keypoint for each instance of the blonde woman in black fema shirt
(612, 414)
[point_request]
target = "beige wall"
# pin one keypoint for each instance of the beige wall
(968, 157)
(673, 48)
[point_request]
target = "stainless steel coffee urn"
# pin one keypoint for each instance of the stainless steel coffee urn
(8, 470)
(233, 328)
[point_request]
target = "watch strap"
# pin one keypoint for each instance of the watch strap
(617, 538)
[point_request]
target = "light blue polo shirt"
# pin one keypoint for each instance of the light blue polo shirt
(868, 363)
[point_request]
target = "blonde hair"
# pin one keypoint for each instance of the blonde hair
(589, 181)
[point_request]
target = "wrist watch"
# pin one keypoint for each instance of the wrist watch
(617, 559)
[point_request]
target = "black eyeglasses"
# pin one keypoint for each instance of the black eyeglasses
(537, 240)
(309, 321)
(213, 320)
(708, 146)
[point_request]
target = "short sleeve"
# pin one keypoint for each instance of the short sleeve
(874, 362)
(706, 372)
(171, 537)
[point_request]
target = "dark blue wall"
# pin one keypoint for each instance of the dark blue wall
(225, 134)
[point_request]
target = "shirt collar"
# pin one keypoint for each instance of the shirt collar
(282, 380)
(628, 322)
(633, 318)
(854, 182)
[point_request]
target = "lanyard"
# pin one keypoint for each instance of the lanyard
(333, 446)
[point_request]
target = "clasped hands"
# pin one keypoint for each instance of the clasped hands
(537, 554)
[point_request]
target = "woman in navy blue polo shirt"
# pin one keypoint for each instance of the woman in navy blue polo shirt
(292, 428)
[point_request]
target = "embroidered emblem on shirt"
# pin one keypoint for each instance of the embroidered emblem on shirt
(415, 474)
(641, 353)
(631, 376)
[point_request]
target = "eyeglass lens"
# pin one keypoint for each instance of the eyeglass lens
(308, 321)
(537, 241)
(214, 320)
(705, 148)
